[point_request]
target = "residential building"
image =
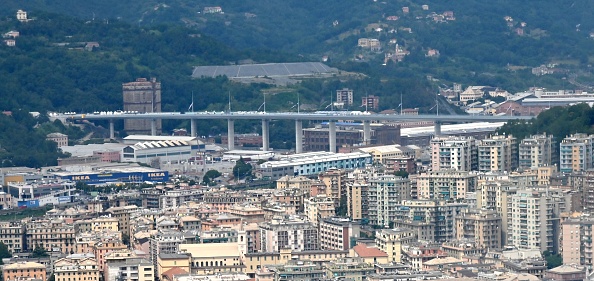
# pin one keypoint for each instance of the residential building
(368, 254)
(417, 254)
(132, 269)
(355, 269)
(24, 271)
(97, 224)
(534, 221)
(318, 208)
(438, 214)
(12, 234)
(214, 258)
(451, 152)
(385, 193)
(166, 262)
(21, 16)
(164, 242)
(5, 201)
(497, 154)
(567, 272)
(291, 232)
(142, 96)
(335, 182)
(123, 216)
(391, 241)
(536, 151)
(58, 138)
(445, 184)
(576, 154)
(298, 270)
(576, 239)
(483, 227)
(370, 102)
(56, 236)
(67, 269)
(357, 199)
(344, 96)
(337, 233)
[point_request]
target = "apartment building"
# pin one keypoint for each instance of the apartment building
(12, 234)
(481, 226)
(294, 182)
(357, 199)
(164, 242)
(533, 220)
(123, 215)
(391, 241)
(291, 232)
(453, 153)
(55, 235)
(575, 153)
(385, 193)
(97, 224)
(344, 96)
(576, 239)
(132, 269)
(536, 151)
(214, 258)
(318, 208)
(85, 269)
(355, 269)
(497, 154)
(298, 270)
(336, 233)
(439, 215)
(24, 271)
(445, 184)
(335, 182)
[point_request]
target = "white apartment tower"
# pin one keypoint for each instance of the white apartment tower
(533, 222)
(453, 153)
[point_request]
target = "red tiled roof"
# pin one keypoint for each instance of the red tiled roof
(173, 271)
(368, 252)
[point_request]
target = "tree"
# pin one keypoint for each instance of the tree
(4, 253)
(553, 260)
(401, 173)
(39, 252)
(242, 169)
(210, 176)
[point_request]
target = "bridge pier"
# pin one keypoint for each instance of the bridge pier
(193, 130)
(298, 136)
(366, 132)
(111, 129)
(332, 135)
(230, 134)
(153, 127)
(437, 129)
(265, 138)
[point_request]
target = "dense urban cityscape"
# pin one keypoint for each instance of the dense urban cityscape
(360, 192)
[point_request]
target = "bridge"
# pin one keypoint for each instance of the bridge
(331, 116)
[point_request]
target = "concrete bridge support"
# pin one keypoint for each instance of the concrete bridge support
(230, 134)
(332, 135)
(298, 136)
(265, 138)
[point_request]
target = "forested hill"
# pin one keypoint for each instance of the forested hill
(50, 69)
(492, 43)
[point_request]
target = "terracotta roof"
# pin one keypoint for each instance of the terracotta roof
(172, 272)
(368, 252)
